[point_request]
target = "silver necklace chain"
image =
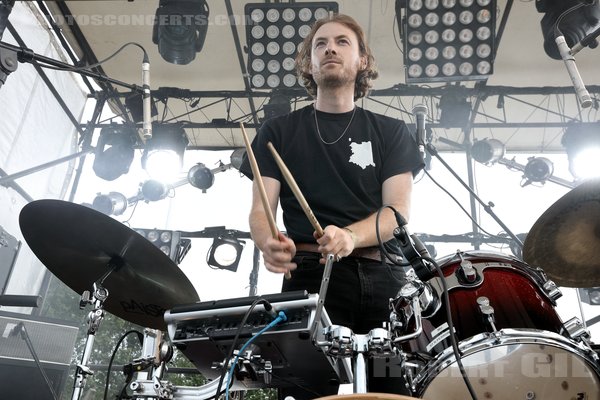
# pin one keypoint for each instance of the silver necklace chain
(343, 133)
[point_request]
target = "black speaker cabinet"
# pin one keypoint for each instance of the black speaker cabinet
(52, 340)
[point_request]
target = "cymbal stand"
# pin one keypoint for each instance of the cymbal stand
(487, 207)
(156, 353)
(99, 295)
(146, 390)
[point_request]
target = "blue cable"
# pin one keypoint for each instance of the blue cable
(281, 317)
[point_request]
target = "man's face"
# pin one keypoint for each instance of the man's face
(335, 57)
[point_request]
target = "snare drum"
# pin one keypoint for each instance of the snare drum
(513, 344)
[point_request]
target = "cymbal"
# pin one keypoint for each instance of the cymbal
(565, 240)
(77, 244)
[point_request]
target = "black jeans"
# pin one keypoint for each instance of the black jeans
(357, 298)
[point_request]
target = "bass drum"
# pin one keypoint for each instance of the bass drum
(512, 342)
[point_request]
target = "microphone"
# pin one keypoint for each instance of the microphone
(565, 53)
(146, 108)
(420, 111)
(590, 41)
(413, 249)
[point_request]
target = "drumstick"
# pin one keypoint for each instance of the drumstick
(261, 188)
(296, 190)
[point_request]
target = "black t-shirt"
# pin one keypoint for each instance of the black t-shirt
(341, 181)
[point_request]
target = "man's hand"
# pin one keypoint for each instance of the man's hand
(337, 241)
(278, 254)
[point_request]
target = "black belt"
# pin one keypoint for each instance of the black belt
(371, 253)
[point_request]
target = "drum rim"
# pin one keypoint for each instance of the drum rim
(502, 337)
(495, 261)
(488, 254)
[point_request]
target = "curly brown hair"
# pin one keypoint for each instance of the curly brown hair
(364, 76)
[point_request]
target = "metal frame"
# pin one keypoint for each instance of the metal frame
(479, 94)
(382, 97)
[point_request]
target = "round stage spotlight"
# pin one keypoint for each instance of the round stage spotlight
(113, 203)
(201, 177)
(163, 155)
(153, 190)
(538, 169)
(488, 151)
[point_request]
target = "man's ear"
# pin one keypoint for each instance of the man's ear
(363, 62)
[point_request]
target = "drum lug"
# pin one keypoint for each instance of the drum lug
(576, 330)
(429, 301)
(552, 290)
(487, 311)
(467, 273)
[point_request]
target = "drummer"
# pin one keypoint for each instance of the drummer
(348, 162)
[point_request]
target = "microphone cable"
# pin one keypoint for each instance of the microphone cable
(446, 296)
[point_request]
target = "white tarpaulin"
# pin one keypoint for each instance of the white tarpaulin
(34, 130)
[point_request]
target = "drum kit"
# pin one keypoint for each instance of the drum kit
(487, 329)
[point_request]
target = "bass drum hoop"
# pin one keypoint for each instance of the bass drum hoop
(503, 337)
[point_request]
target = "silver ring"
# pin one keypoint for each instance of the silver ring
(337, 258)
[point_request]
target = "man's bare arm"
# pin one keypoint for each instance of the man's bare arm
(396, 192)
(277, 252)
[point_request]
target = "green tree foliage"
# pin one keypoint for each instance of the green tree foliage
(62, 303)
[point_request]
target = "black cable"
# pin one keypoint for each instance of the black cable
(399, 33)
(457, 355)
(126, 222)
(112, 357)
(87, 67)
(234, 342)
(281, 317)
(284, 379)
(383, 252)
(380, 243)
(557, 31)
(453, 340)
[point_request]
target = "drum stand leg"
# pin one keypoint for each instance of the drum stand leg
(322, 295)
(583, 321)
(94, 318)
(359, 385)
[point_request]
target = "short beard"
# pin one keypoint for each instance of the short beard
(333, 81)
